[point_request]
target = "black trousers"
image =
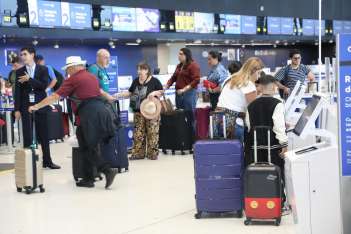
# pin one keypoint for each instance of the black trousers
(91, 156)
(42, 134)
(214, 100)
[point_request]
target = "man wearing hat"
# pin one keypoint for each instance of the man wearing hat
(31, 83)
(95, 122)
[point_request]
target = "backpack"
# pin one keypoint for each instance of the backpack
(59, 78)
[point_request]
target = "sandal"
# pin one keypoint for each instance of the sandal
(152, 158)
(135, 158)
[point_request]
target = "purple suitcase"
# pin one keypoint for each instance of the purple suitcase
(218, 169)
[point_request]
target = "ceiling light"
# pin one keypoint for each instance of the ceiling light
(35, 42)
(138, 40)
(197, 41)
(110, 43)
(243, 46)
(226, 41)
(275, 45)
(113, 46)
(56, 46)
(132, 44)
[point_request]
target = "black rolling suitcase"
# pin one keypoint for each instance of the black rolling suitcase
(176, 132)
(54, 119)
(262, 186)
(77, 165)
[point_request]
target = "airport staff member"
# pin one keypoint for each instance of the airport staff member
(288, 76)
(95, 121)
(31, 83)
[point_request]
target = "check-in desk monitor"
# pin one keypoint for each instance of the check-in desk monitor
(307, 118)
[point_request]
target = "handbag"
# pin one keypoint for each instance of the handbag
(166, 105)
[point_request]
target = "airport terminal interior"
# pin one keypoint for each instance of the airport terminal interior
(194, 116)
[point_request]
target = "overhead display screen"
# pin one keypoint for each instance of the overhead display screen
(147, 20)
(287, 26)
(273, 25)
(49, 14)
(248, 24)
(337, 26)
(80, 15)
(106, 17)
(203, 22)
(316, 27)
(232, 23)
(65, 15)
(308, 27)
(33, 12)
(184, 21)
(123, 19)
(346, 27)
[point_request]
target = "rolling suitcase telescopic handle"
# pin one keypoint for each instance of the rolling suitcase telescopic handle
(34, 141)
(268, 142)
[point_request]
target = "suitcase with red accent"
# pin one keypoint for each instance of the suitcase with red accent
(262, 187)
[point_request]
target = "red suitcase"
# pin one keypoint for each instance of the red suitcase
(202, 116)
(262, 188)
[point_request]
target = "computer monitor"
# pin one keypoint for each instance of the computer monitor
(309, 116)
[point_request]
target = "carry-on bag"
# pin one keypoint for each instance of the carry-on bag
(115, 151)
(55, 121)
(78, 165)
(176, 132)
(29, 165)
(262, 186)
(202, 116)
(218, 167)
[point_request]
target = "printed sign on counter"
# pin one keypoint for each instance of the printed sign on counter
(345, 102)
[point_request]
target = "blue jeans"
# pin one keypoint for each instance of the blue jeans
(187, 102)
(239, 133)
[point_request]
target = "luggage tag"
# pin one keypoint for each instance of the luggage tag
(31, 97)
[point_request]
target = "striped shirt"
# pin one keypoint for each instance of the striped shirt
(289, 76)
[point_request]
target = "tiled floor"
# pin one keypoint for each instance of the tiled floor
(154, 197)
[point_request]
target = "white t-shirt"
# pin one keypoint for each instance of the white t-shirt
(234, 99)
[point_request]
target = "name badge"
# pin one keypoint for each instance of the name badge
(31, 97)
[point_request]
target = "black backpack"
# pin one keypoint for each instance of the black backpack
(59, 78)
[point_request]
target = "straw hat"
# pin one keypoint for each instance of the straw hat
(150, 108)
(73, 61)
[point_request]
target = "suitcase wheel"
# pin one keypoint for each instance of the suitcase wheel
(247, 222)
(182, 152)
(119, 170)
(173, 152)
(239, 213)
(164, 151)
(28, 191)
(198, 215)
(191, 151)
(42, 189)
(277, 221)
(76, 179)
(100, 178)
(19, 190)
(126, 169)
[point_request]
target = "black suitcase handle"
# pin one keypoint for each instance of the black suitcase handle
(268, 128)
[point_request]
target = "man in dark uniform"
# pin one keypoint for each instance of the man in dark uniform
(31, 83)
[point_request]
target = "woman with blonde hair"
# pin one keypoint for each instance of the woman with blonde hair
(237, 94)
